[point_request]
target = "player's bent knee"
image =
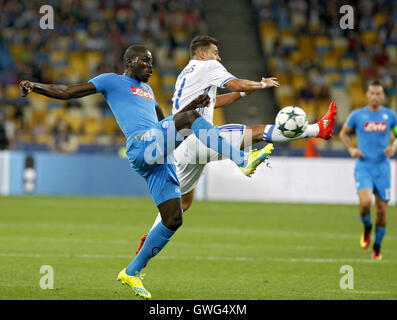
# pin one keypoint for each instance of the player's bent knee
(365, 204)
(174, 222)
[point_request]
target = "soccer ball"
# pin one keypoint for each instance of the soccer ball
(291, 121)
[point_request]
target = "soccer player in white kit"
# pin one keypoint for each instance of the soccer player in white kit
(204, 74)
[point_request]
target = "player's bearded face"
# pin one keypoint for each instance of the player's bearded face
(375, 95)
(212, 53)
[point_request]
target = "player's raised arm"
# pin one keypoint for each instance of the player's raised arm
(243, 85)
(224, 100)
(57, 91)
(344, 135)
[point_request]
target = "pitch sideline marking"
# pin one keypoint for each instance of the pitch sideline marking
(123, 256)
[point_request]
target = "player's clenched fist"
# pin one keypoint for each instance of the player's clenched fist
(26, 87)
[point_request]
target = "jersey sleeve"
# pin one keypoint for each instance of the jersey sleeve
(103, 82)
(217, 74)
(351, 121)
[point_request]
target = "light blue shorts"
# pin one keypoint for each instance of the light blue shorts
(375, 177)
(150, 153)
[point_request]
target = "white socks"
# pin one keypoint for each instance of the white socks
(271, 134)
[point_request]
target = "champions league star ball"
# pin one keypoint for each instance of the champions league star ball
(291, 121)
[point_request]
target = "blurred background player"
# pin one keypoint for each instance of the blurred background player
(372, 125)
(143, 123)
(205, 73)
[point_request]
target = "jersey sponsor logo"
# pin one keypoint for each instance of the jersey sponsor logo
(375, 126)
(142, 93)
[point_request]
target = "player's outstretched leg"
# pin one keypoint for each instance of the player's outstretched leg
(157, 238)
(322, 129)
(210, 137)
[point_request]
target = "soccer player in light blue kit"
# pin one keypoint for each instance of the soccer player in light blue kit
(372, 125)
(151, 139)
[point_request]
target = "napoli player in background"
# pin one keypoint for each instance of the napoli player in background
(146, 129)
(372, 125)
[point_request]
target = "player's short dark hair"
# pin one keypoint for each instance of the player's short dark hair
(133, 51)
(200, 42)
(375, 83)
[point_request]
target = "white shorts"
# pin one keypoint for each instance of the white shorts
(192, 155)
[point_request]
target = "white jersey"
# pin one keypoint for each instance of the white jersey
(198, 77)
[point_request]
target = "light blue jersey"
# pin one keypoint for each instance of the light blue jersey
(131, 101)
(373, 133)
(134, 107)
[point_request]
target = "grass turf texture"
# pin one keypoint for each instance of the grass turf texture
(224, 250)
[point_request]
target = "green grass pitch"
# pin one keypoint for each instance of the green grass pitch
(224, 250)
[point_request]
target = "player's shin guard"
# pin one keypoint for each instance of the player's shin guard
(210, 136)
(157, 238)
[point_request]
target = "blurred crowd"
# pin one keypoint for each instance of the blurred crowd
(89, 38)
(315, 60)
(318, 61)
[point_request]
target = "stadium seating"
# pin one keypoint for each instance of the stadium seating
(313, 59)
(294, 49)
(77, 50)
